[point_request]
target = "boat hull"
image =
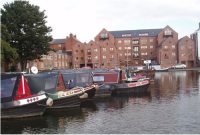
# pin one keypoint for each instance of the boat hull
(130, 88)
(104, 91)
(65, 103)
(91, 91)
(11, 110)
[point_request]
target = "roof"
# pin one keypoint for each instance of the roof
(136, 33)
(58, 41)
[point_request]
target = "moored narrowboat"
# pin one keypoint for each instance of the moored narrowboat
(121, 82)
(17, 100)
(52, 84)
(106, 79)
(80, 78)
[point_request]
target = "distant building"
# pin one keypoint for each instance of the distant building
(186, 51)
(124, 48)
(54, 60)
(196, 37)
(133, 47)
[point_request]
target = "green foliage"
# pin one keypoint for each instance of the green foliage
(27, 28)
(5, 35)
(8, 54)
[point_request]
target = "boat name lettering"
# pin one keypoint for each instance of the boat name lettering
(137, 83)
(31, 100)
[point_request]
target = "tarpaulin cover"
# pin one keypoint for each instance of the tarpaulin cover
(43, 82)
(73, 79)
(8, 86)
(111, 77)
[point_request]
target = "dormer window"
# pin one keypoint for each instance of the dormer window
(168, 32)
(103, 36)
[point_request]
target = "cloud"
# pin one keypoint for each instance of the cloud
(86, 18)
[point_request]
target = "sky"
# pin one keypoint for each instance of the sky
(86, 18)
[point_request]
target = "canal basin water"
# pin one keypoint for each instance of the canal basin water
(172, 106)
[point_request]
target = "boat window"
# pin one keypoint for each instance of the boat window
(83, 78)
(50, 83)
(42, 82)
(98, 78)
(7, 87)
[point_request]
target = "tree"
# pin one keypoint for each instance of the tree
(9, 55)
(28, 31)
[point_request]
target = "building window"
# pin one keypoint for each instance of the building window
(173, 46)
(104, 57)
(151, 46)
(127, 42)
(104, 49)
(173, 54)
(95, 65)
(165, 46)
(135, 55)
(103, 36)
(88, 50)
(96, 57)
(144, 53)
(167, 32)
(135, 49)
(151, 40)
(111, 49)
(144, 47)
(120, 48)
(143, 41)
(166, 57)
(96, 50)
(119, 41)
(135, 42)
(129, 48)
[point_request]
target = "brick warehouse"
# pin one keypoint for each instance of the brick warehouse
(127, 48)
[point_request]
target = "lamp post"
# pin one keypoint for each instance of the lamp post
(127, 57)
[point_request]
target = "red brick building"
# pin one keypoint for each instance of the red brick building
(186, 51)
(133, 47)
(112, 49)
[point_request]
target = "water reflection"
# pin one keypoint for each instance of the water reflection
(171, 106)
(170, 85)
(18, 126)
(120, 102)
